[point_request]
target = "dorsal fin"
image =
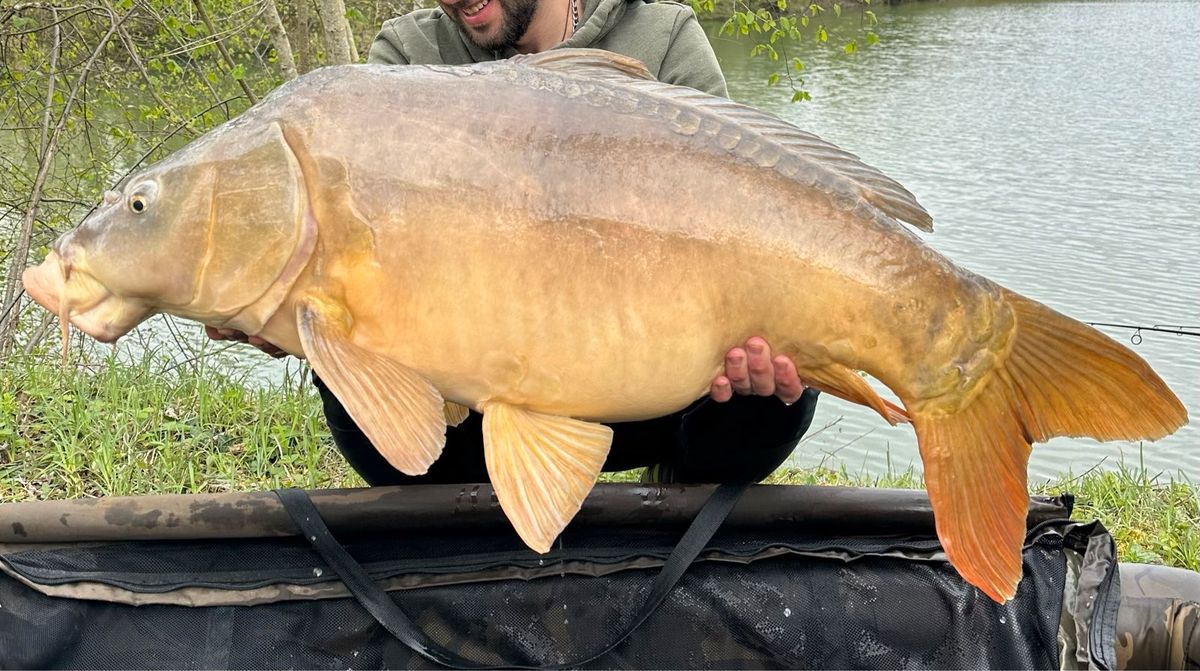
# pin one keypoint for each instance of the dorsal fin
(594, 63)
(859, 180)
(831, 169)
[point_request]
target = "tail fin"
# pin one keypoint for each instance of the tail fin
(1061, 378)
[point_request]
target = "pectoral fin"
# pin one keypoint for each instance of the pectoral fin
(542, 467)
(398, 410)
(846, 384)
(455, 413)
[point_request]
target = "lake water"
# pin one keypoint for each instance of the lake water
(1057, 146)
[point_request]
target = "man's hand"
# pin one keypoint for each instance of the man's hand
(230, 334)
(751, 370)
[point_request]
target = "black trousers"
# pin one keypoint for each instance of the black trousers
(742, 440)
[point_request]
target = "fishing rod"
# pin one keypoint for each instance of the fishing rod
(1136, 338)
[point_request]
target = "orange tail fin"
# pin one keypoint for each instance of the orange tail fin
(1061, 378)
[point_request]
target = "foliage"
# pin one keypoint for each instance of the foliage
(772, 26)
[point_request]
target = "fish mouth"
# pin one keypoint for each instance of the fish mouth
(78, 298)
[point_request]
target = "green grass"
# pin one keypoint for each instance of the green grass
(157, 428)
(112, 430)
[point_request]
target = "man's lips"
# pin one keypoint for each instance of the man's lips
(477, 13)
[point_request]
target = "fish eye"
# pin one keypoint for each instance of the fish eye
(137, 203)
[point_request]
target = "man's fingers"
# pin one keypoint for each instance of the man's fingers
(267, 347)
(788, 386)
(736, 370)
(758, 362)
(721, 391)
(232, 334)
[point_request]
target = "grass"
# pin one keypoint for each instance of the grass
(112, 429)
(157, 428)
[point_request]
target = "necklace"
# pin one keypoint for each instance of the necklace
(574, 15)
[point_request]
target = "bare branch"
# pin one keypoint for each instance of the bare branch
(133, 54)
(12, 292)
(224, 52)
(173, 133)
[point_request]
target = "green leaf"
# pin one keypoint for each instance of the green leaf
(872, 38)
(797, 64)
(871, 19)
(773, 79)
(822, 36)
(804, 21)
(850, 47)
(837, 9)
(239, 72)
(354, 14)
(781, 4)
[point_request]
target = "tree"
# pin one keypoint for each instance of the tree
(773, 25)
(339, 39)
(279, 39)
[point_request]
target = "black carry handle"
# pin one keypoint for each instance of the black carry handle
(387, 613)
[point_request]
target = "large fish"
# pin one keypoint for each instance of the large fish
(558, 241)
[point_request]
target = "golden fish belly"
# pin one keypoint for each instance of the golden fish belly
(614, 321)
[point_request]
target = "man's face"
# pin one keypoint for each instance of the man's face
(492, 24)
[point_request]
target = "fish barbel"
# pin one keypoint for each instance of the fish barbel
(558, 241)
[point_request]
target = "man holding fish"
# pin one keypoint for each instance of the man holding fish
(759, 407)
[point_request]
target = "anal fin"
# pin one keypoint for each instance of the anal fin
(398, 410)
(455, 413)
(975, 461)
(846, 384)
(542, 467)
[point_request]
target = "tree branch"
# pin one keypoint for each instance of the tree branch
(224, 52)
(12, 292)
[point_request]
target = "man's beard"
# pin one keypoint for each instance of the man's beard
(517, 15)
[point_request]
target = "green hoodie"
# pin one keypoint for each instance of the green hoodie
(665, 36)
